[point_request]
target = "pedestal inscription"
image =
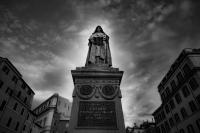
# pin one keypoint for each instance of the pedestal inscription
(97, 114)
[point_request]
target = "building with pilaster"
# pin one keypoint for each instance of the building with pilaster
(180, 95)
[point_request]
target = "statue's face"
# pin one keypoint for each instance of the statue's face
(99, 29)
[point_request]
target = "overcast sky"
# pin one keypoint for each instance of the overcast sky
(45, 39)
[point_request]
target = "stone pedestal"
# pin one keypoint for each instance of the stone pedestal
(96, 101)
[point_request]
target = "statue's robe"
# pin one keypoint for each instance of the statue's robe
(99, 49)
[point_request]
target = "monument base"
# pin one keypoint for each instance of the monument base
(96, 101)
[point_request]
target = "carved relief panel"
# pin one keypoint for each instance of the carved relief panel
(107, 89)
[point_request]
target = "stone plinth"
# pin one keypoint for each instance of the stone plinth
(97, 101)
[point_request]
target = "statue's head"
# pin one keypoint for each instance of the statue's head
(98, 29)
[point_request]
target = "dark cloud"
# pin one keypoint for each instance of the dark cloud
(45, 11)
(52, 80)
(154, 34)
(45, 37)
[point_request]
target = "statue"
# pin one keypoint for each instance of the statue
(99, 50)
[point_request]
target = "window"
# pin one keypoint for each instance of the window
(173, 85)
(7, 90)
(171, 103)
(185, 91)
(186, 70)
(27, 117)
(171, 122)
(178, 98)
(158, 130)
(19, 94)
(190, 129)
(22, 111)
(177, 118)
(14, 79)
(180, 78)
(29, 92)
(11, 92)
(198, 99)
(39, 122)
(163, 128)
(167, 91)
(167, 126)
(9, 121)
(157, 119)
(163, 115)
(25, 99)
(198, 124)
(192, 106)
(167, 108)
(48, 103)
(2, 105)
(184, 113)
(181, 131)
(45, 119)
(24, 127)
(1, 83)
(193, 84)
(23, 85)
(163, 96)
(17, 126)
(45, 106)
(15, 106)
(160, 117)
(5, 70)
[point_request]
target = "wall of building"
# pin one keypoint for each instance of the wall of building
(51, 111)
(45, 119)
(15, 100)
(64, 108)
(30, 123)
(185, 92)
(15, 106)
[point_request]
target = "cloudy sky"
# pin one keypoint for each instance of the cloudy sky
(45, 39)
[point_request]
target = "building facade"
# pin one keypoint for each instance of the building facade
(15, 100)
(53, 115)
(180, 95)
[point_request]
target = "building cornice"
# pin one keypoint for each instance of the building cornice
(176, 64)
(6, 60)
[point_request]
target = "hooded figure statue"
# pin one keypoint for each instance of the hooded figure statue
(99, 50)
